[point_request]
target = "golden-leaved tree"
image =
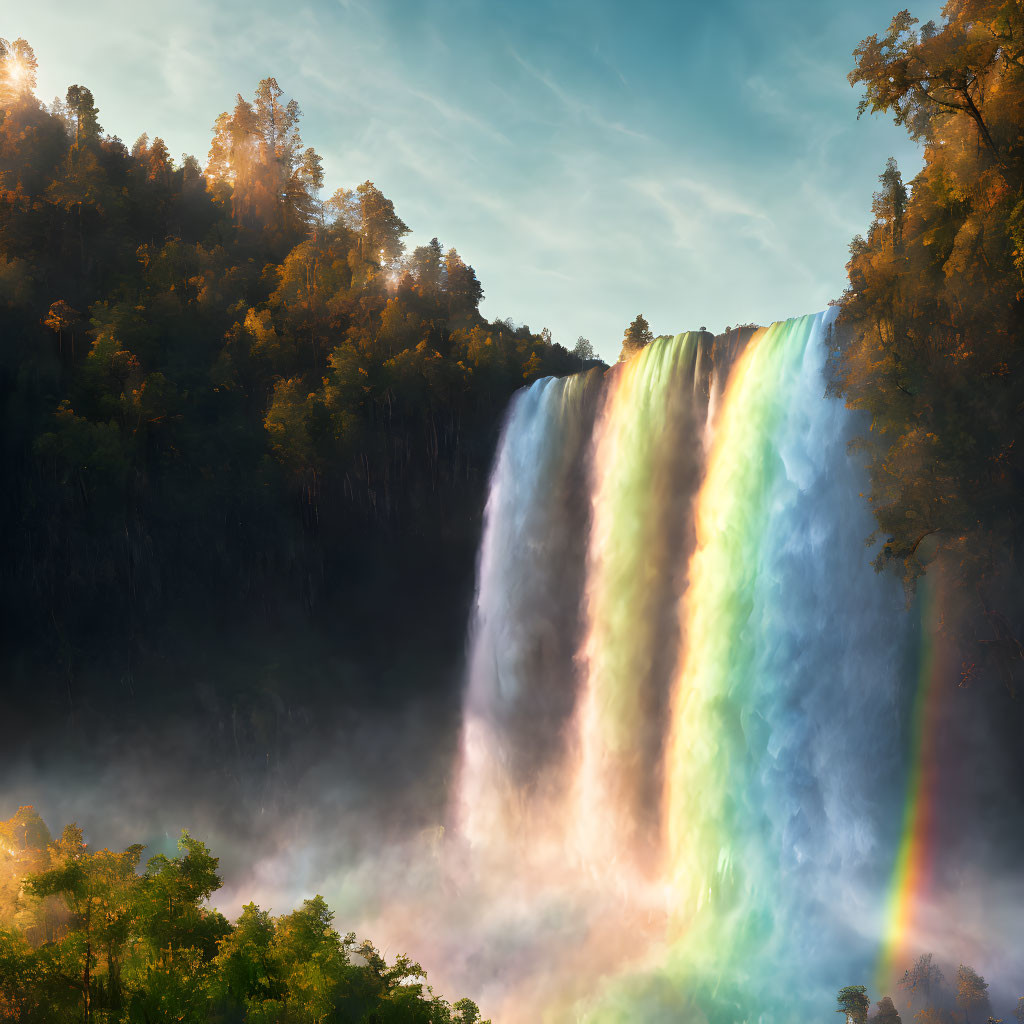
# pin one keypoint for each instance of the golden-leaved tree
(929, 341)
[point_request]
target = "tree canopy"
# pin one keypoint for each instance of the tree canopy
(140, 946)
(638, 335)
(203, 364)
(928, 339)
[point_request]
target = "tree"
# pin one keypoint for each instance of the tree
(313, 958)
(532, 368)
(60, 318)
(889, 203)
(971, 994)
(82, 110)
(426, 265)
(853, 1001)
(19, 979)
(927, 340)
(98, 890)
(461, 286)
(24, 841)
(638, 336)
(172, 893)
(923, 982)
(917, 75)
(247, 965)
(18, 68)
(371, 215)
(186, 964)
(583, 350)
(257, 151)
(886, 1012)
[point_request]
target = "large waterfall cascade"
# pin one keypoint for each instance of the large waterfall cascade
(684, 725)
(711, 767)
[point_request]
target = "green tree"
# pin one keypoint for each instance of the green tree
(427, 266)
(98, 889)
(20, 989)
(313, 960)
(462, 289)
(371, 216)
(583, 350)
(144, 949)
(248, 968)
(82, 110)
(853, 1001)
(171, 897)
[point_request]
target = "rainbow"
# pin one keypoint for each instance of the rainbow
(912, 868)
(708, 752)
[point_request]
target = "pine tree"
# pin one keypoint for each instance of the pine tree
(84, 116)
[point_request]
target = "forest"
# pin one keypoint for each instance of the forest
(928, 996)
(86, 935)
(929, 346)
(200, 363)
(929, 340)
(231, 408)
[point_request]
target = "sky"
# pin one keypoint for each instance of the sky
(701, 163)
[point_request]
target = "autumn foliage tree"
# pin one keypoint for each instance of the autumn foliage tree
(200, 364)
(928, 343)
(638, 335)
(257, 150)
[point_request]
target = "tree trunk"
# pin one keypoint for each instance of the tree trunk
(88, 964)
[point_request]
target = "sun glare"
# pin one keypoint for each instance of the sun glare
(17, 72)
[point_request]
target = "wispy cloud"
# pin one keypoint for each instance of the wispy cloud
(578, 108)
(457, 115)
(587, 169)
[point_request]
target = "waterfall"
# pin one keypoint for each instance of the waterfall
(684, 712)
(785, 732)
(645, 463)
(710, 767)
(525, 626)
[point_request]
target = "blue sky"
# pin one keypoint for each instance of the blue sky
(699, 163)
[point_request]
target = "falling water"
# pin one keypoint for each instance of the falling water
(525, 631)
(710, 770)
(684, 708)
(646, 458)
(785, 728)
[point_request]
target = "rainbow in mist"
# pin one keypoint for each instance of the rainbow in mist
(912, 870)
(680, 789)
